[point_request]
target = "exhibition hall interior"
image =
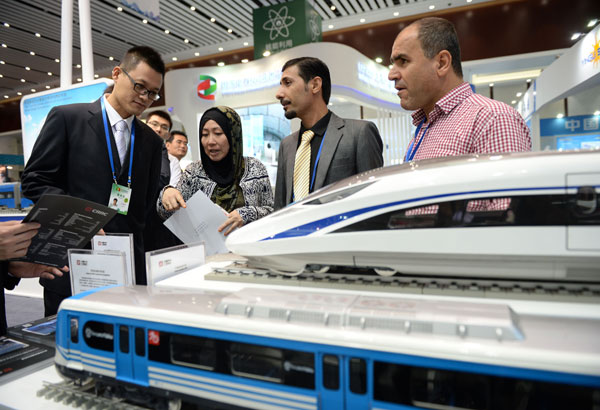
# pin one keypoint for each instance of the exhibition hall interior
(300, 204)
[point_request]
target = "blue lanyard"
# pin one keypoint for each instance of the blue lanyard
(112, 165)
(410, 152)
(312, 179)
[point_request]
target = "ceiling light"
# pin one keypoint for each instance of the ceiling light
(491, 84)
(1, 76)
(33, 90)
(196, 54)
(378, 60)
(192, 8)
(145, 21)
(6, 25)
(56, 60)
(47, 87)
(229, 30)
(245, 43)
(597, 112)
(212, 20)
(560, 115)
(468, 1)
(119, 8)
(186, 41)
(330, 26)
(220, 64)
(478, 79)
(220, 48)
(391, 66)
(519, 94)
(2, 62)
(575, 36)
(244, 61)
(332, 8)
(592, 23)
(431, 7)
(4, 45)
(32, 53)
(266, 53)
(49, 72)
(111, 58)
(78, 66)
(528, 80)
(167, 31)
(396, 13)
(27, 68)
(513, 102)
(362, 20)
(6, 96)
(79, 79)
(22, 80)
(174, 58)
(19, 93)
(96, 76)
(38, 35)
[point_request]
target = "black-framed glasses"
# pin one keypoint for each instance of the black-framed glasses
(141, 89)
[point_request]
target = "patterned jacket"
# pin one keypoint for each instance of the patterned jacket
(255, 185)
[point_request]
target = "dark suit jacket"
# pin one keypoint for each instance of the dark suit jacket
(70, 157)
(6, 282)
(350, 147)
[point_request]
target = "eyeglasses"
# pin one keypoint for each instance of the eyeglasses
(140, 89)
(156, 124)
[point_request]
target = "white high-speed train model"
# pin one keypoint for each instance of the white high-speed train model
(525, 216)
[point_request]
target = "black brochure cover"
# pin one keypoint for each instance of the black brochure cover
(67, 223)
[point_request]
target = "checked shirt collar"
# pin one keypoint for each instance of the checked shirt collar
(445, 105)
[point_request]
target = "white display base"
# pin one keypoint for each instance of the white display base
(21, 393)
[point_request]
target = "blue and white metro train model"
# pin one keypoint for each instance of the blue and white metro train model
(272, 349)
(526, 216)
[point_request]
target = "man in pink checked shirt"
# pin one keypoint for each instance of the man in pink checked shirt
(450, 118)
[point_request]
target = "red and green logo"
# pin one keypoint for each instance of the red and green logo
(207, 87)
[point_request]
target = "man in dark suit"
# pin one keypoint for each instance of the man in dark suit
(334, 147)
(89, 150)
(15, 238)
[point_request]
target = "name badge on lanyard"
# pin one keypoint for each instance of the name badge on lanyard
(120, 196)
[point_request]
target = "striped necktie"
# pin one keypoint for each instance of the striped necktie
(121, 139)
(302, 167)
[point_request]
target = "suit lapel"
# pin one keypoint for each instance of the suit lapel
(290, 159)
(97, 124)
(332, 137)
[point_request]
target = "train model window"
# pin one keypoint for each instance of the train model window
(358, 375)
(331, 372)
(584, 208)
(289, 367)
(447, 389)
(532, 210)
(140, 341)
(124, 339)
(193, 351)
(74, 323)
(99, 335)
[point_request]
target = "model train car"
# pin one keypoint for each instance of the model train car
(525, 216)
(273, 349)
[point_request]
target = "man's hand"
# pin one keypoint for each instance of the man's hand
(15, 238)
(33, 270)
(172, 199)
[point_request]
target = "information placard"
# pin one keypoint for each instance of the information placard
(92, 269)
(118, 242)
(168, 262)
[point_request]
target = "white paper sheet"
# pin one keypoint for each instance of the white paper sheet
(199, 222)
(118, 242)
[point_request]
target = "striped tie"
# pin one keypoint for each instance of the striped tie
(302, 167)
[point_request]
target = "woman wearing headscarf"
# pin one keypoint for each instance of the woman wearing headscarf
(240, 185)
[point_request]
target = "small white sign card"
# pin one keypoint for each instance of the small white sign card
(168, 262)
(92, 269)
(198, 222)
(118, 242)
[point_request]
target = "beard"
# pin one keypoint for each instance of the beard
(290, 114)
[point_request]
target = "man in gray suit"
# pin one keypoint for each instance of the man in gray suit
(334, 147)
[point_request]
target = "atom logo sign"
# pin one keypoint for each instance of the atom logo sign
(315, 26)
(279, 23)
(207, 87)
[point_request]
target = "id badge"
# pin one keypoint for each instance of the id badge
(119, 198)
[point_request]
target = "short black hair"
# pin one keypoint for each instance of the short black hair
(150, 56)
(309, 68)
(162, 114)
(437, 34)
(174, 133)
